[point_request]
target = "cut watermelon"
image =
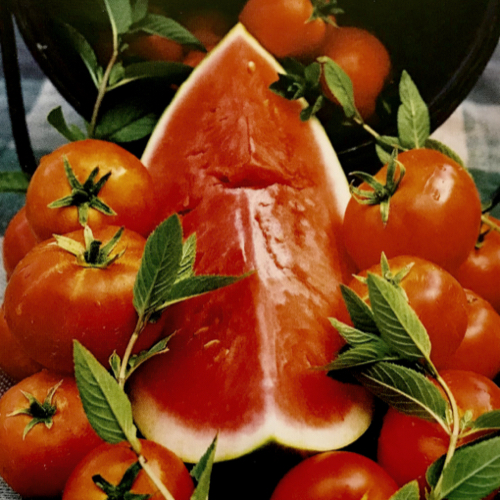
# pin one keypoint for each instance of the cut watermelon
(264, 192)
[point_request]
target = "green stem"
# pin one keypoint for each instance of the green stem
(488, 222)
(161, 487)
(139, 327)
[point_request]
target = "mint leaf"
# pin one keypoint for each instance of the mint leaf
(340, 85)
(290, 87)
(70, 132)
(352, 335)
(384, 147)
(409, 491)
(139, 9)
(443, 148)
(120, 15)
(171, 72)
(106, 405)
(155, 24)
(159, 267)
(186, 266)
(359, 311)
(473, 472)
(406, 390)
(202, 471)
(489, 420)
(397, 322)
(14, 182)
(137, 360)
(413, 115)
(312, 109)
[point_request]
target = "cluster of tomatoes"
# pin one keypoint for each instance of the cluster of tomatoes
(75, 285)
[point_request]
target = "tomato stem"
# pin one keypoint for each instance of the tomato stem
(122, 377)
(161, 487)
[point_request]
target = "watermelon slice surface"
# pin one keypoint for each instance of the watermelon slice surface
(264, 192)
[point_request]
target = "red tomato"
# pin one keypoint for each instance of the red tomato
(129, 191)
(338, 474)
(282, 26)
(365, 60)
(436, 296)
(480, 349)
(51, 300)
(435, 214)
(481, 271)
(407, 445)
(18, 240)
(39, 464)
(14, 361)
(111, 462)
(155, 48)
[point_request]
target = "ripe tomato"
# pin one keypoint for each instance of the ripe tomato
(111, 462)
(40, 463)
(17, 241)
(51, 300)
(481, 270)
(129, 191)
(436, 296)
(365, 60)
(282, 26)
(407, 445)
(14, 361)
(337, 474)
(480, 349)
(154, 48)
(435, 213)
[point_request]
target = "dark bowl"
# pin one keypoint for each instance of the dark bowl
(443, 44)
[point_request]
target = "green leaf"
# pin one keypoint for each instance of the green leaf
(202, 471)
(186, 266)
(70, 132)
(489, 420)
(473, 472)
(413, 115)
(359, 311)
(362, 355)
(340, 86)
(352, 335)
(138, 359)
(139, 9)
(120, 15)
(171, 72)
(70, 35)
(290, 87)
(443, 148)
(409, 491)
(106, 405)
(311, 110)
(116, 75)
(14, 182)
(155, 24)
(159, 267)
(384, 147)
(195, 286)
(397, 322)
(406, 390)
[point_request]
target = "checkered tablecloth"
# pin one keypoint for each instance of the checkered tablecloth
(473, 131)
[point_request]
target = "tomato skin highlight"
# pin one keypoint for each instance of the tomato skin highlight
(129, 191)
(40, 464)
(437, 298)
(336, 475)
(480, 349)
(481, 270)
(282, 26)
(18, 240)
(365, 60)
(407, 445)
(435, 214)
(51, 300)
(111, 461)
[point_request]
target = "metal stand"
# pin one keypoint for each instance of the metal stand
(17, 111)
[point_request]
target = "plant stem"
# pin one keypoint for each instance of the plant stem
(139, 327)
(488, 222)
(161, 487)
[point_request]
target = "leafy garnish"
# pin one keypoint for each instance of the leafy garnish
(409, 491)
(70, 132)
(202, 471)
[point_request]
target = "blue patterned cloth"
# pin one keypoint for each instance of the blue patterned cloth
(473, 131)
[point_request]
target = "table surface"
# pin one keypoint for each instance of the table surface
(473, 131)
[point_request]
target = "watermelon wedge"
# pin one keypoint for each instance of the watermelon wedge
(264, 192)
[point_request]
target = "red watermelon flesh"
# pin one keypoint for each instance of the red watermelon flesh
(263, 192)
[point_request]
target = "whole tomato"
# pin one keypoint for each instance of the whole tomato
(14, 361)
(338, 474)
(283, 26)
(54, 297)
(435, 295)
(481, 270)
(365, 60)
(408, 445)
(434, 213)
(480, 349)
(42, 443)
(17, 241)
(129, 190)
(110, 462)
